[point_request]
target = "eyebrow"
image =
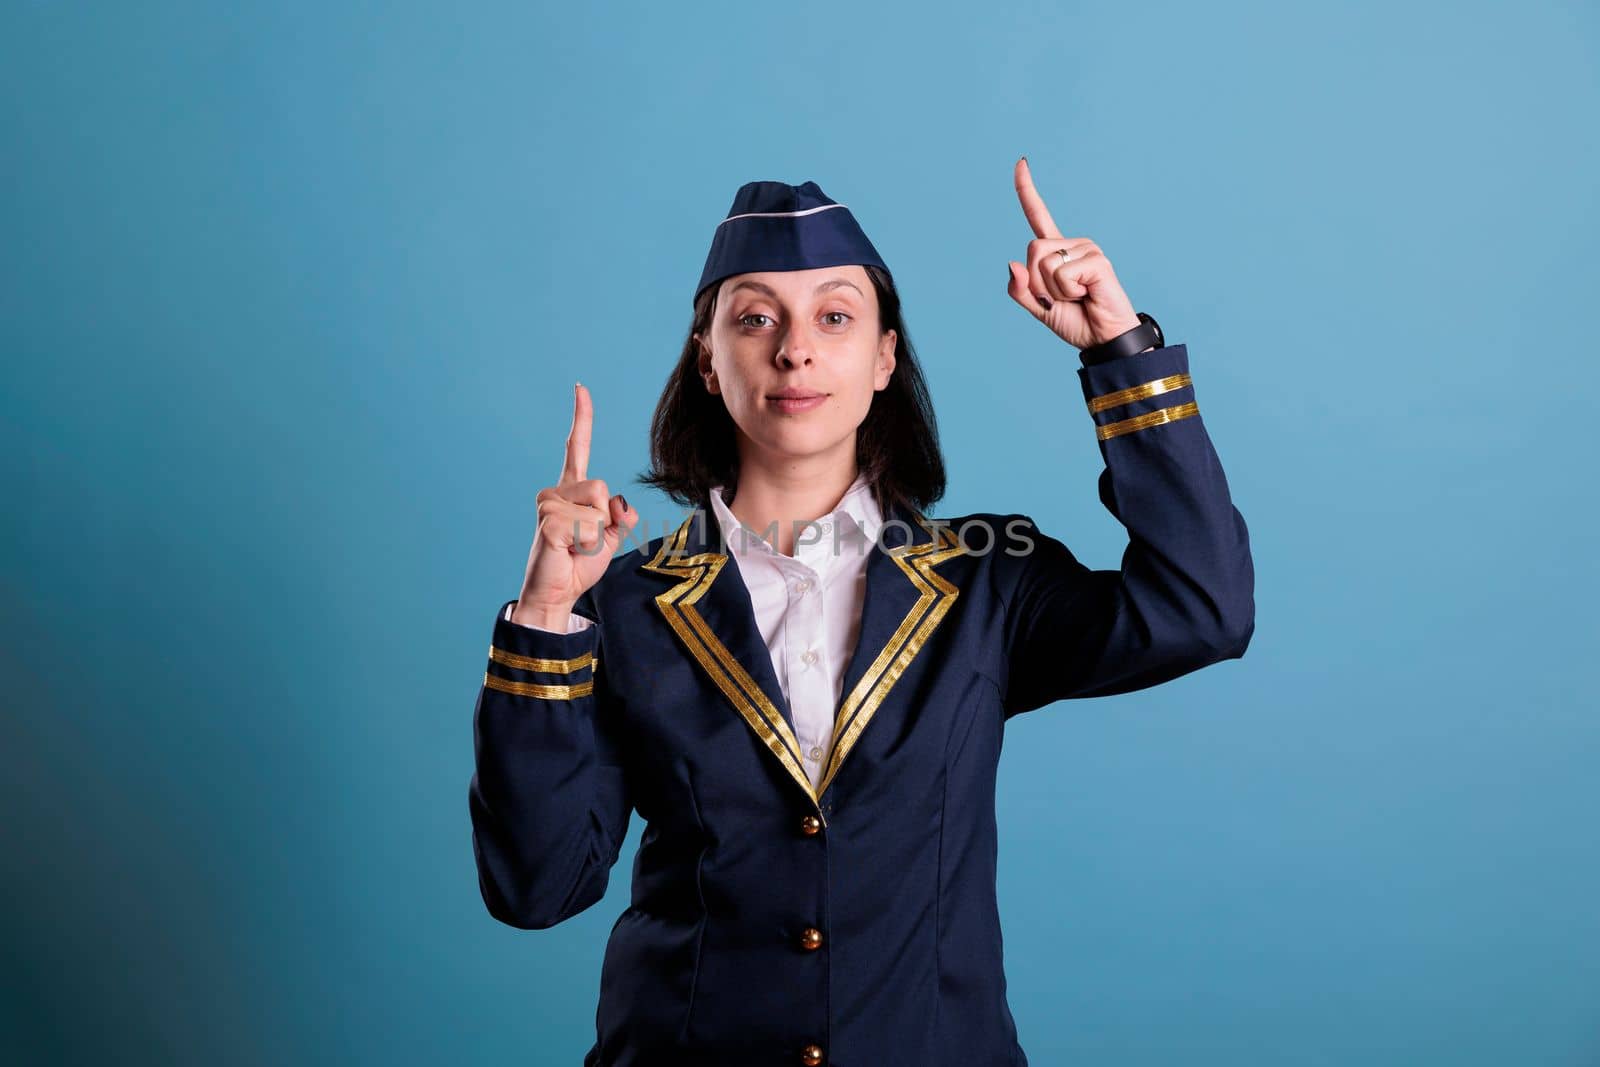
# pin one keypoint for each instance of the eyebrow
(831, 283)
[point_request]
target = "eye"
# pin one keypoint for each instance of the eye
(841, 314)
(752, 315)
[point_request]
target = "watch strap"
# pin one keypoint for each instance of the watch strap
(1141, 337)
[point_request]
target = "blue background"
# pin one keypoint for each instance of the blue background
(291, 302)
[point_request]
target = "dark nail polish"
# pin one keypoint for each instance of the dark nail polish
(623, 501)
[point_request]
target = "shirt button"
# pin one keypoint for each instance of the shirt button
(803, 585)
(816, 752)
(810, 825)
(811, 939)
(811, 1055)
(809, 656)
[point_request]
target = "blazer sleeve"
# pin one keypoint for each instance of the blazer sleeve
(549, 798)
(575, 622)
(1184, 596)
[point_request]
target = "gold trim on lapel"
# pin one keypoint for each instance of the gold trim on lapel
(935, 596)
(696, 573)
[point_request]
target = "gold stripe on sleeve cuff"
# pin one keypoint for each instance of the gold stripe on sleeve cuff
(549, 666)
(545, 692)
(1138, 392)
(1151, 418)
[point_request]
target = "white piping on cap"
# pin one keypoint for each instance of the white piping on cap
(779, 214)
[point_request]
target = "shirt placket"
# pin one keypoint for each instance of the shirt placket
(805, 646)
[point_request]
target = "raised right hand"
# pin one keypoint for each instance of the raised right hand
(580, 527)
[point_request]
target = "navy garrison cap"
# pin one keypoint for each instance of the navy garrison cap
(778, 226)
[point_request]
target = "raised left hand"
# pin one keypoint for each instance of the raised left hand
(1080, 299)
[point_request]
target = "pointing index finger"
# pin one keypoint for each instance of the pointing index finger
(1032, 203)
(576, 466)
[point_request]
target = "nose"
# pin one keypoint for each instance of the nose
(794, 348)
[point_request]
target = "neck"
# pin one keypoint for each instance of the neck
(775, 499)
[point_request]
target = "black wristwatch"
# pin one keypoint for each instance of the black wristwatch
(1141, 337)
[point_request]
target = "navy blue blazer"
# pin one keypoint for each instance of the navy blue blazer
(854, 925)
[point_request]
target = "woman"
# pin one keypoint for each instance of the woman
(804, 694)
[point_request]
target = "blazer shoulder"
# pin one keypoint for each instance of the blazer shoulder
(990, 533)
(993, 543)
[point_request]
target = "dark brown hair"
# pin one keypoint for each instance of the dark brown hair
(693, 445)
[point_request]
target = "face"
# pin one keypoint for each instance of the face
(810, 333)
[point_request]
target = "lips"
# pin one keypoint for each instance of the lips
(792, 401)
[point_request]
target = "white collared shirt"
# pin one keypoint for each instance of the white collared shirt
(807, 607)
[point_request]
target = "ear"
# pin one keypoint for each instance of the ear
(885, 360)
(704, 369)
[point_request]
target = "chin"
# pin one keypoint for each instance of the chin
(789, 438)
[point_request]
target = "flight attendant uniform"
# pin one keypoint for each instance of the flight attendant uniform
(847, 917)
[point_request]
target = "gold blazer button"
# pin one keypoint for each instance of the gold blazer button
(810, 825)
(811, 1055)
(811, 938)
